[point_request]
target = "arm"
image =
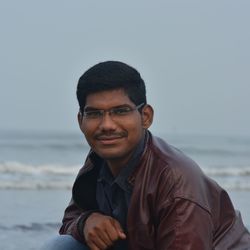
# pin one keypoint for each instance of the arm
(101, 231)
(91, 227)
(184, 225)
(73, 221)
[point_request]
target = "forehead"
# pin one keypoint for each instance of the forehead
(107, 99)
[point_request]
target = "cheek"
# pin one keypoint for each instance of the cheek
(135, 131)
(133, 127)
(88, 130)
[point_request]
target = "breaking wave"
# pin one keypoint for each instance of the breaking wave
(16, 175)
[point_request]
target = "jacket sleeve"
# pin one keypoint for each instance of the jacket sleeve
(73, 221)
(184, 225)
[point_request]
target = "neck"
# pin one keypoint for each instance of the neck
(116, 165)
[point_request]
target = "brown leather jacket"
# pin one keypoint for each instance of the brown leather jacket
(173, 204)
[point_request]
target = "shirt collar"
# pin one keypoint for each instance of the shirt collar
(121, 179)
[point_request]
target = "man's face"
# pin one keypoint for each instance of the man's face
(114, 137)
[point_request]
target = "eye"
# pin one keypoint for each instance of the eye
(121, 111)
(93, 114)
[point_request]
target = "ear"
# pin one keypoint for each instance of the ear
(79, 118)
(147, 116)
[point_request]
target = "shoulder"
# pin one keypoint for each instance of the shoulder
(172, 159)
(178, 175)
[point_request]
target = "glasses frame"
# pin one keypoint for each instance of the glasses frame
(111, 112)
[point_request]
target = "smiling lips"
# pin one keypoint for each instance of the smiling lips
(109, 139)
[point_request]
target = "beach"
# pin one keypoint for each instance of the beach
(37, 171)
(30, 217)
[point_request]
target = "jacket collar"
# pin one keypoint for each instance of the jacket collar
(84, 188)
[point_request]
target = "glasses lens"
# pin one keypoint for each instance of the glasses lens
(93, 114)
(121, 111)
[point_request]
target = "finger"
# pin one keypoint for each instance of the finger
(92, 246)
(112, 232)
(97, 244)
(119, 229)
(104, 235)
(95, 240)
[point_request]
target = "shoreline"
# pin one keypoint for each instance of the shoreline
(30, 217)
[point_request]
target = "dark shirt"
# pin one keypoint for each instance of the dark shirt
(113, 193)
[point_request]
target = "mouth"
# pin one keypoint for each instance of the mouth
(109, 139)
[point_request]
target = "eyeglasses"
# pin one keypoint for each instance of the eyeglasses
(114, 112)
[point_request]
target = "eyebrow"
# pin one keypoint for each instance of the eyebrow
(88, 108)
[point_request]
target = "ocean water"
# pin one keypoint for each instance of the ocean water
(37, 170)
(51, 160)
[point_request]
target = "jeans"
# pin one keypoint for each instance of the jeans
(64, 242)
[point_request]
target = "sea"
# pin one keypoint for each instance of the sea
(38, 168)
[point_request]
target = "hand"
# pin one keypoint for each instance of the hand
(101, 231)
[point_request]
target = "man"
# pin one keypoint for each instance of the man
(135, 191)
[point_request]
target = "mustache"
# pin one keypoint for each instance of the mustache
(102, 135)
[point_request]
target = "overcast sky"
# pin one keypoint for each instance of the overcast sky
(193, 55)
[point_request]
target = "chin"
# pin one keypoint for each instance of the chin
(112, 155)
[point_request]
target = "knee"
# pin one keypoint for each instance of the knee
(63, 242)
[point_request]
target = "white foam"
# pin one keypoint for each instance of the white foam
(48, 169)
(35, 185)
(227, 171)
(16, 175)
(236, 184)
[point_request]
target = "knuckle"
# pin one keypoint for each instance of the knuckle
(114, 237)
(91, 235)
(96, 228)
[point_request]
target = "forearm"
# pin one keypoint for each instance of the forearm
(73, 221)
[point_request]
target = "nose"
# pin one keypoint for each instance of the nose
(107, 123)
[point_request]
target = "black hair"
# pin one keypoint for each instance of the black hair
(111, 75)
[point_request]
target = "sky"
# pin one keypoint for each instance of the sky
(194, 57)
